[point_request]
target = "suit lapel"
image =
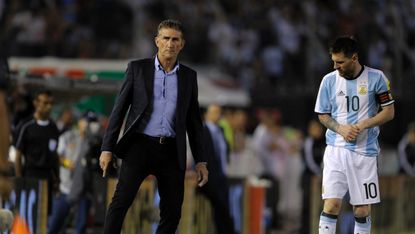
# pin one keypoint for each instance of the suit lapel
(181, 92)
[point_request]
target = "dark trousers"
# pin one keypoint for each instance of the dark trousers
(43, 174)
(144, 157)
(61, 209)
(217, 191)
(305, 214)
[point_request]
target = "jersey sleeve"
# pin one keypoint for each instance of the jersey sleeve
(383, 91)
(323, 105)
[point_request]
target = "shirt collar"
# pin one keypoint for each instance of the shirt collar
(42, 122)
(212, 125)
(158, 66)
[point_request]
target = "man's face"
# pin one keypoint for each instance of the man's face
(82, 125)
(43, 104)
(411, 137)
(343, 64)
(169, 42)
(213, 113)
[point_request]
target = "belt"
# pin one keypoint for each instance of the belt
(161, 139)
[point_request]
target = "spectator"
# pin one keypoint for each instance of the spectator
(243, 162)
(272, 149)
(313, 151)
(406, 151)
(217, 190)
(75, 186)
(65, 120)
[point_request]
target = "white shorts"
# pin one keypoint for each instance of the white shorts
(345, 170)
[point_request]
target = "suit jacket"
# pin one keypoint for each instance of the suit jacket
(135, 95)
(213, 160)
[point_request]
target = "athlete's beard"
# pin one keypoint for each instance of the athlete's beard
(347, 74)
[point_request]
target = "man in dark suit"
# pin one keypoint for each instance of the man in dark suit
(217, 190)
(160, 95)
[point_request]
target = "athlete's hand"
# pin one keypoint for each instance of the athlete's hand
(361, 125)
(105, 161)
(349, 132)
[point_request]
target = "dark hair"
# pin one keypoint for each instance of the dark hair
(90, 116)
(170, 23)
(46, 92)
(345, 44)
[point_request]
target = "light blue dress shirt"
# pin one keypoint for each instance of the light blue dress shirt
(160, 121)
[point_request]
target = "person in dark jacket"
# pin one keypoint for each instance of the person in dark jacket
(406, 151)
(161, 97)
(217, 190)
(313, 151)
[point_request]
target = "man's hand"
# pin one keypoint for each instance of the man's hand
(104, 161)
(202, 173)
(349, 132)
(362, 125)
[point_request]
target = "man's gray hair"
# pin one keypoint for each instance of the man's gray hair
(170, 23)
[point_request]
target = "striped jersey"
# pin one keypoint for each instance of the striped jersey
(350, 101)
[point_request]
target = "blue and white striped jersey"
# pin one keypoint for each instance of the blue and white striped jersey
(351, 101)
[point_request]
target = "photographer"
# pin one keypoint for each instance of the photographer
(75, 173)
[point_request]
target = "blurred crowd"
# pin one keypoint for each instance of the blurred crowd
(259, 43)
(74, 29)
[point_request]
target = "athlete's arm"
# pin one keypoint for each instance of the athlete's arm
(347, 131)
(328, 122)
(386, 114)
